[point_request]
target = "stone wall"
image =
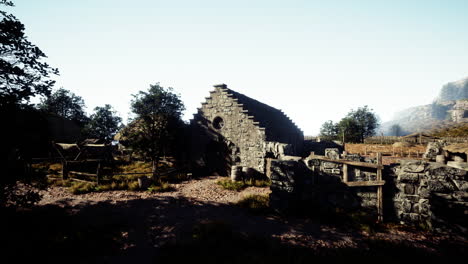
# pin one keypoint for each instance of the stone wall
(415, 192)
(232, 129)
(431, 194)
(318, 182)
(244, 138)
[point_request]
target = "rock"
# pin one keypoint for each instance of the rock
(408, 177)
(440, 159)
(414, 166)
(332, 153)
(433, 149)
(458, 165)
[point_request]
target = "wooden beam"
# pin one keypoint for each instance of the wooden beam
(345, 173)
(83, 173)
(352, 163)
(364, 183)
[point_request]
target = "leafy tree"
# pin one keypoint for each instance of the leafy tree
(329, 131)
(103, 123)
(348, 130)
(65, 104)
(157, 119)
(357, 125)
(23, 73)
(395, 130)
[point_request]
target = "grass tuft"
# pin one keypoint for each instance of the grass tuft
(255, 202)
(240, 185)
(160, 187)
(82, 187)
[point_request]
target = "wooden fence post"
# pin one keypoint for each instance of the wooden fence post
(379, 189)
(98, 172)
(64, 170)
(345, 173)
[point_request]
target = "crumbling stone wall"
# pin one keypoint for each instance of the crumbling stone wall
(250, 130)
(431, 194)
(416, 192)
(318, 182)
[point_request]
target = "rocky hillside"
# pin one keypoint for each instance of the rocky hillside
(448, 109)
(454, 91)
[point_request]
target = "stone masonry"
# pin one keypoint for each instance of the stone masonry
(417, 192)
(231, 129)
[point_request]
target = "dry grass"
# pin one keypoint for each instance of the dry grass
(254, 202)
(384, 149)
(455, 131)
(135, 167)
(228, 184)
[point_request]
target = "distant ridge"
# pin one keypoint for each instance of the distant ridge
(448, 108)
(457, 90)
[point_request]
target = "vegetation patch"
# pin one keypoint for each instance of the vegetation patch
(228, 184)
(255, 202)
(82, 187)
(161, 187)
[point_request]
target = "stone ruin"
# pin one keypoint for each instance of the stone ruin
(232, 132)
(239, 136)
(418, 192)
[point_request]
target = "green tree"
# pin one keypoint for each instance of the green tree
(157, 119)
(104, 123)
(348, 130)
(65, 104)
(358, 124)
(329, 131)
(23, 73)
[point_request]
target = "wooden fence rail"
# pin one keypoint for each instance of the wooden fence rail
(378, 182)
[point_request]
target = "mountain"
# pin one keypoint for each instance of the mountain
(454, 91)
(449, 108)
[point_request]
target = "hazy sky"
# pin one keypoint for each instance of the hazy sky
(315, 60)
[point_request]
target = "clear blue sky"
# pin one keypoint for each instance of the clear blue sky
(315, 60)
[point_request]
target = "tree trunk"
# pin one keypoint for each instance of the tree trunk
(155, 162)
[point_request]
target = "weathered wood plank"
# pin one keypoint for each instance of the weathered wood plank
(83, 173)
(364, 183)
(352, 163)
(345, 173)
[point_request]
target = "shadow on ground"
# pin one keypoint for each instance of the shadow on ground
(178, 230)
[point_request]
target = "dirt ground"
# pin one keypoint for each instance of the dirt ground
(200, 222)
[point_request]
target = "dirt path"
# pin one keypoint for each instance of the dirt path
(204, 190)
(137, 227)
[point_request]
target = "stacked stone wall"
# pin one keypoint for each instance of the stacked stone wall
(239, 130)
(431, 194)
(415, 192)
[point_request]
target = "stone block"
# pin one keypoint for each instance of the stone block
(424, 192)
(332, 153)
(441, 186)
(409, 189)
(414, 166)
(408, 177)
(330, 165)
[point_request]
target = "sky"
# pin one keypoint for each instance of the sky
(315, 60)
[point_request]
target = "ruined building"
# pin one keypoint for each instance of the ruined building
(231, 129)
